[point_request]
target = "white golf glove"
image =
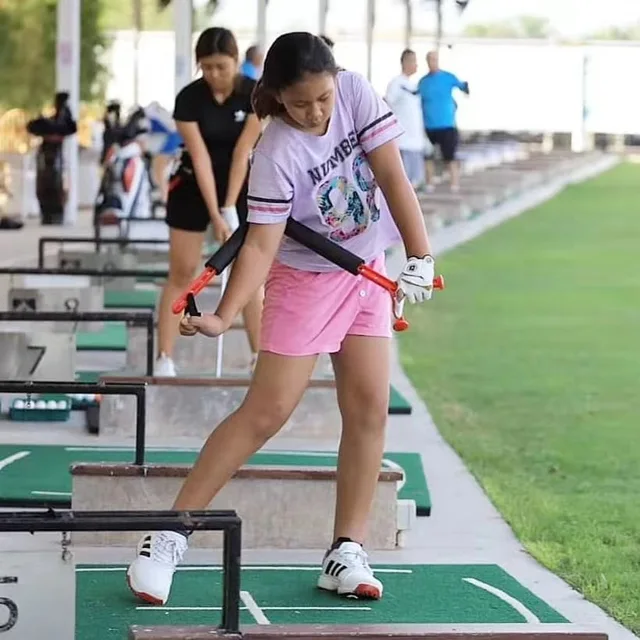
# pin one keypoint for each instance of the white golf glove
(230, 216)
(415, 283)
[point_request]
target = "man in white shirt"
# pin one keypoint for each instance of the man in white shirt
(402, 96)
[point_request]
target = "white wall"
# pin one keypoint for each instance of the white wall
(514, 85)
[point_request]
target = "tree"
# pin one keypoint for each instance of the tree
(199, 18)
(28, 53)
(521, 27)
(631, 32)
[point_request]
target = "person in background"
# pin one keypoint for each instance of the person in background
(439, 115)
(402, 96)
(214, 116)
(252, 65)
(112, 122)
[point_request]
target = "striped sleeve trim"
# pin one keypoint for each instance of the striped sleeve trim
(270, 209)
(268, 206)
(377, 126)
(269, 200)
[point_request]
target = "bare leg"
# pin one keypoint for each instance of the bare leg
(276, 389)
(159, 165)
(454, 175)
(430, 170)
(252, 315)
(362, 378)
(185, 249)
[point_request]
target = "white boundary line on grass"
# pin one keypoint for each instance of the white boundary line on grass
(530, 617)
(51, 493)
(255, 567)
(13, 458)
(253, 608)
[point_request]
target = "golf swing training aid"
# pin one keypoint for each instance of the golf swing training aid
(312, 240)
(353, 264)
(213, 267)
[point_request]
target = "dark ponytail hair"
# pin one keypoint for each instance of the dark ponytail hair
(216, 40)
(288, 60)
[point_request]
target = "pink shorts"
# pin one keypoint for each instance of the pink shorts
(307, 312)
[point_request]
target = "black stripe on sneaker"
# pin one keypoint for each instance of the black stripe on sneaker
(329, 567)
(145, 552)
(341, 568)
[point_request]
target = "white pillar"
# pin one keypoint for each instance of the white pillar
(371, 21)
(261, 32)
(579, 134)
(408, 24)
(137, 35)
(68, 79)
(183, 28)
(323, 10)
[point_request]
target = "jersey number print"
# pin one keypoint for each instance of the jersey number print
(341, 202)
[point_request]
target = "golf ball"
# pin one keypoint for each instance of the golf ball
(19, 404)
(41, 404)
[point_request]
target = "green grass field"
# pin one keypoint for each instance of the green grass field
(530, 365)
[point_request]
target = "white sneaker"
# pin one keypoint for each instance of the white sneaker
(164, 367)
(150, 575)
(346, 571)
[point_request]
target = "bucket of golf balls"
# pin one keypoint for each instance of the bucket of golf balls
(83, 400)
(40, 410)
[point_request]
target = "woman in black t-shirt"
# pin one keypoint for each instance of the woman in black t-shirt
(215, 118)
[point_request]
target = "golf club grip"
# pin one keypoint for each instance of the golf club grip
(323, 247)
(214, 266)
(221, 259)
(194, 289)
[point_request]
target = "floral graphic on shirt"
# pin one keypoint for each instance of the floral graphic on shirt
(367, 183)
(341, 204)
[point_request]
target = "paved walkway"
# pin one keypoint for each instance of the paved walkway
(20, 246)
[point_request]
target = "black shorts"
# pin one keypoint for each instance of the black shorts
(187, 210)
(447, 140)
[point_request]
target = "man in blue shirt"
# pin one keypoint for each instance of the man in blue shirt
(439, 116)
(252, 65)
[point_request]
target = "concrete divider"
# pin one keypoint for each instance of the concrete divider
(75, 259)
(272, 502)
(198, 354)
(59, 299)
(36, 355)
(193, 407)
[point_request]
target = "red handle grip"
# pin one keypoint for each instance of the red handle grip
(391, 286)
(194, 289)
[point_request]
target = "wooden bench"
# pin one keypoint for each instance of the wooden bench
(376, 632)
(194, 406)
(273, 503)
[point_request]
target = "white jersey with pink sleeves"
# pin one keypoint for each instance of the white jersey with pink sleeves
(325, 182)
